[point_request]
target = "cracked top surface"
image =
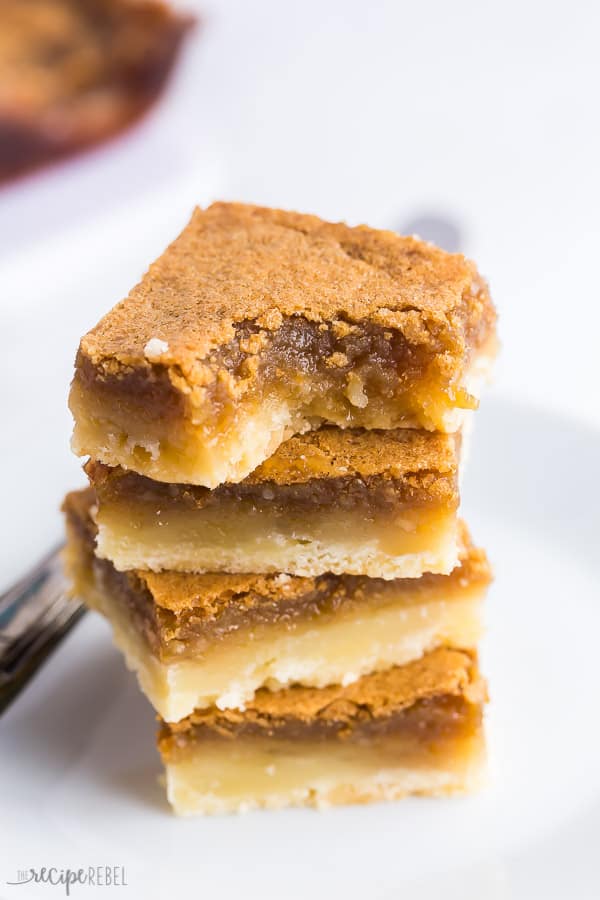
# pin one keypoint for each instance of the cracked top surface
(235, 263)
(443, 672)
(333, 453)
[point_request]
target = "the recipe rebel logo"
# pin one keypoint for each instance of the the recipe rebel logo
(91, 876)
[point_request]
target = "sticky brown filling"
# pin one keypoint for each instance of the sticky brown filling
(174, 635)
(146, 393)
(298, 352)
(355, 366)
(369, 496)
(424, 723)
(363, 375)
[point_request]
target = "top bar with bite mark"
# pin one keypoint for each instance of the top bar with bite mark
(256, 324)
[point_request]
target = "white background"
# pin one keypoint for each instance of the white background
(483, 114)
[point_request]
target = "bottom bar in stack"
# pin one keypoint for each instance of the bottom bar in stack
(413, 729)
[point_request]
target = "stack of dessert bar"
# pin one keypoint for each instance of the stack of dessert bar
(273, 419)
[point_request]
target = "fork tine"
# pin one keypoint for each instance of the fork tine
(35, 614)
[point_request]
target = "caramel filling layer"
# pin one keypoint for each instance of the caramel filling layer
(140, 421)
(339, 650)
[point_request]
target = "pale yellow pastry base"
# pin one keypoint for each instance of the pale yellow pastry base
(228, 538)
(115, 434)
(243, 774)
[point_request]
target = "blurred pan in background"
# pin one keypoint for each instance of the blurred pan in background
(75, 72)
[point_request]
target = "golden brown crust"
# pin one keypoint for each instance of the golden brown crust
(340, 453)
(443, 672)
(325, 454)
(235, 263)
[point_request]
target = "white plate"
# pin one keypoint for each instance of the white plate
(79, 773)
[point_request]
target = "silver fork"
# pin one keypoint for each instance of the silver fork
(35, 615)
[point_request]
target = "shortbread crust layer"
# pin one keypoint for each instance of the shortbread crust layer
(410, 729)
(257, 324)
(201, 640)
(377, 503)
